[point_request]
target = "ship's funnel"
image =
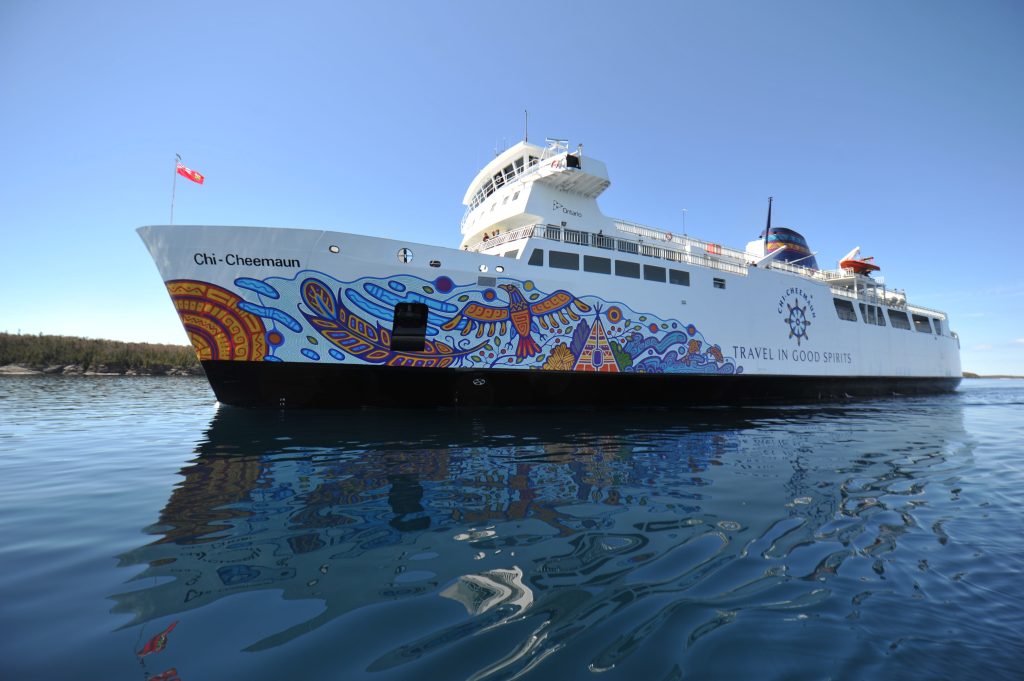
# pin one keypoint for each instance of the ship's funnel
(792, 247)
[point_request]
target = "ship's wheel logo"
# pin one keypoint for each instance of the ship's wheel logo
(798, 322)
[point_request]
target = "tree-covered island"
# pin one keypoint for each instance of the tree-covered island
(25, 353)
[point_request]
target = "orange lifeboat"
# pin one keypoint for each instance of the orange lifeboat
(859, 265)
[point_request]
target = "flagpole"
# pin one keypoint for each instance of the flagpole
(174, 184)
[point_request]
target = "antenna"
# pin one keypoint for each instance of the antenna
(768, 226)
(526, 125)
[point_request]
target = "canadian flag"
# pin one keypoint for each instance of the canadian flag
(196, 177)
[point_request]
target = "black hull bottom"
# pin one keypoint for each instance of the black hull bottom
(289, 385)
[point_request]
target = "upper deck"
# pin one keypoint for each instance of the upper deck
(534, 192)
(635, 239)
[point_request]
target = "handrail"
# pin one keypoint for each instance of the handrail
(685, 240)
(927, 311)
(630, 246)
(503, 238)
(870, 293)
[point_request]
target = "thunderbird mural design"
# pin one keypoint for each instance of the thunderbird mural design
(521, 313)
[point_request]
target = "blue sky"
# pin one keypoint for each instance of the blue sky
(895, 126)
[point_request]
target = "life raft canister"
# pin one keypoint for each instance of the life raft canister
(714, 249)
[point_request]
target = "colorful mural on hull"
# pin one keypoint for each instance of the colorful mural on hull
(509, 325)
(216, 324)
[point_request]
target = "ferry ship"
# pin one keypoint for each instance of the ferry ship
(545, 301)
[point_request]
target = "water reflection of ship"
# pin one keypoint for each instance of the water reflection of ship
(617, 506)
(316, 506)
(486, 590)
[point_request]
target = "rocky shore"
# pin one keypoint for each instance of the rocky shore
(99, 370)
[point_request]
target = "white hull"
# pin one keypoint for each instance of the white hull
(741, 329)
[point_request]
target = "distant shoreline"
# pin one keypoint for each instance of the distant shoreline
(78, 370)
(28, 355)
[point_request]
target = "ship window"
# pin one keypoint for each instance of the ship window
(593, 263)
(922, 324)
(498, 180)
(625, 268)
(563, 260)
(509, 173)
(519, 166)
(844, 309)
(654, 273)
(515, 196)
(679, 277)
(533, 161)
(938, 326)
(899, 320)
(511, 254)
(872, 314)
(488, 188)
(486, 281)
(719, 283)
(504, 201)
(537, 257)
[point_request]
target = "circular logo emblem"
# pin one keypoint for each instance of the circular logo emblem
(798, 322)
(404, 255)
(797, 309)
(479, 381)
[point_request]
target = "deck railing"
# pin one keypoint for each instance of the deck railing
(710, 255)
(599, 240)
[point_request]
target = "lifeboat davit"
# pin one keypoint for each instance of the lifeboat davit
(859, 265)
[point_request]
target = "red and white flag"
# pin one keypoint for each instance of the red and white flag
(196, 177)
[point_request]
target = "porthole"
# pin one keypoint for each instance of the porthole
(499, 268)
(404, 255)
(483, 268)
(435, 263)
(334, 249)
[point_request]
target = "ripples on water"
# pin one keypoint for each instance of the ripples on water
(868, 540)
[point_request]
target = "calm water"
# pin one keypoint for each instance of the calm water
(872, 540)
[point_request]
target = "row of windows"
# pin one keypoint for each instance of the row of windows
(872, 314)
(623, 268)
(503, 176)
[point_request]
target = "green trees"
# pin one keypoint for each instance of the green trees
(93, 354)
